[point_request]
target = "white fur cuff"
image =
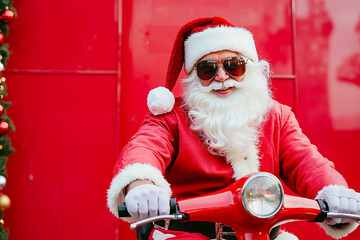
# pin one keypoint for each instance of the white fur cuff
(341, 232)
(286, 236)
(116, 195)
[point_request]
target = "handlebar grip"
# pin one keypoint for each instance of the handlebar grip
(324, 211)
(123, 212)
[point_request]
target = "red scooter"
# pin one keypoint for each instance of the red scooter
(251, 207)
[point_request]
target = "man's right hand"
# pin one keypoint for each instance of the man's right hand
(147, 200)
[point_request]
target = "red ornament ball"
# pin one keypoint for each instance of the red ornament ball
(2, 110)
(7, 16)
(2, 38)
(4, 127)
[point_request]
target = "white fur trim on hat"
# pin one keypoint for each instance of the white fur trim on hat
(342, 230)
(216, 39)
(116, 194)
(160, 101)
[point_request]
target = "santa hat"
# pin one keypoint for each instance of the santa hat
(193, 41)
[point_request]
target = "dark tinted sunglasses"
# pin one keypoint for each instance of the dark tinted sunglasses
(207, 69)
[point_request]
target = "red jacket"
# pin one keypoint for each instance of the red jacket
(167, 143)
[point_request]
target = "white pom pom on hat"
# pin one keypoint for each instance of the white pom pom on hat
(160, 101)
(189, 47)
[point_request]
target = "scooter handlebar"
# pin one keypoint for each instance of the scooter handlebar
(325, 213)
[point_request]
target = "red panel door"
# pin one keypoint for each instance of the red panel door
(80, 72)
(328, 76)
(62, 80)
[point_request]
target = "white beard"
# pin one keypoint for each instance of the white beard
(229, 125)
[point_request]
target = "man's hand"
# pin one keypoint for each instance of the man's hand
(340, 200)
(147, 200)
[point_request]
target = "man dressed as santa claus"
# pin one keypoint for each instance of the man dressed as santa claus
(225, 126)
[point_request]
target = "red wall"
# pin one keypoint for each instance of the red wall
(80, 72)
(62, 79)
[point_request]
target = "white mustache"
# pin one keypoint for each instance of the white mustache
(216, 85)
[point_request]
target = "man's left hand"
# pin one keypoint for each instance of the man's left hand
(341, 200)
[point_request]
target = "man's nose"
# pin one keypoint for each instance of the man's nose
(221, 75)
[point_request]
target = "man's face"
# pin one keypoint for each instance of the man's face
(221, 76)
(227, 111)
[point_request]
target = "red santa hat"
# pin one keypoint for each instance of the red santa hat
(193, 41)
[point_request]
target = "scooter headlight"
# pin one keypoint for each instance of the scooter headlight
(262, 195)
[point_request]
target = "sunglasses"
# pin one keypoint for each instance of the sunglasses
(207, 69)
